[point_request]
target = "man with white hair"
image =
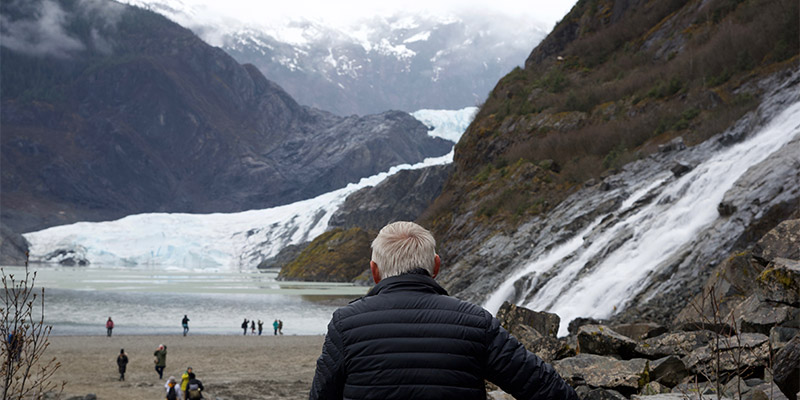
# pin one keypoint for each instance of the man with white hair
(407, 339)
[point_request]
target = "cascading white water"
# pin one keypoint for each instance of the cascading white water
(593, 274)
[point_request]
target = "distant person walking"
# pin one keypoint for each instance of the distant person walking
(253, 327)
(185, 324)
(280, 327)
(109, 326)
(194, 389)
(260, 327)
(244, 326)
(122, 363)
(14, 345)
(160, 360)
(275, 327)
(185, 380)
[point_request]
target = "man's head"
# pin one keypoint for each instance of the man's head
(402, 247)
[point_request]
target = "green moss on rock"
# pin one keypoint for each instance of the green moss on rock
(335, 256)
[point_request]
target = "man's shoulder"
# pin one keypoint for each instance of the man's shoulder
(427, 302)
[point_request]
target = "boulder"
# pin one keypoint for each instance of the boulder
(675, 396)
(511, 316)
(766, 391)
(545, 347)
(779, 336)
(602, 340)
(640, 330)
(781, 242)
(780, 282)
(600, 371)
(673, 343)
(786, 370)
(588, 393)
(676, 144)
(755, 316)
(577, 323)
(653, 388)
(679, 169)
(745, 351)
(669, 371)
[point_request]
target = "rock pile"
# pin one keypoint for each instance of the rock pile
(738, 339)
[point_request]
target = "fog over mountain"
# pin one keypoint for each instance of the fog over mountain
(406, 60)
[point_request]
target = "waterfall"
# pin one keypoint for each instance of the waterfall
(604, 266)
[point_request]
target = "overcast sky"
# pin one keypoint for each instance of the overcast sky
(346, 12)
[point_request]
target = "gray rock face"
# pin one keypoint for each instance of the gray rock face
(781, 242)
(679, 343)
(602, 340)
(12, 247)
(487, 258)
(747, 349)
(535, 330)
(401, 197)
(599, 371)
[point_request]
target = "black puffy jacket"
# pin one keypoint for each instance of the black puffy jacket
(406, 339)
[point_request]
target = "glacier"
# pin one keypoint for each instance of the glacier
(219, 241)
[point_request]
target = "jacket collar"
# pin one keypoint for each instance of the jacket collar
(407, 282)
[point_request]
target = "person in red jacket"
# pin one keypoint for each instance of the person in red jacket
(407, 339)
(109, 326)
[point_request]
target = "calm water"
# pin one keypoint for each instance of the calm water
(141, 300)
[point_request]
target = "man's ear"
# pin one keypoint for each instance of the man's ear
(376, 275)
(437, 262)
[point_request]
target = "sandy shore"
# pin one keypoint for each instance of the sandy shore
(230, 367)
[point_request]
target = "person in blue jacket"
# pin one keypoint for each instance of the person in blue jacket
(407, 339)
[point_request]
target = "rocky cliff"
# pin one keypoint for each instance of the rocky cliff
(547, 164)
(109, 110)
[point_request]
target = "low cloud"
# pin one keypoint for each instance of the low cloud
(42, 35)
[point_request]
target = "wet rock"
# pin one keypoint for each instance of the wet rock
(600, 371)
(781, 242)
(602, 340)
(640, 331)
(674, 343)
(679, 169)
(726, 209)
(780, 282)
(669, 371)
(401, 197)
(511, 316)
(786, 371)
(676, 144)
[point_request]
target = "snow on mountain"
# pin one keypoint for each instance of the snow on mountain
(406, 61)
(218, 241)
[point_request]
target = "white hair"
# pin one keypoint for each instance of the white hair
(401, 247)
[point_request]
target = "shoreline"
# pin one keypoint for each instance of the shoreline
(230, 366)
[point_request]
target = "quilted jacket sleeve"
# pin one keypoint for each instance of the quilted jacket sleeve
(329, 376)
(519, 372)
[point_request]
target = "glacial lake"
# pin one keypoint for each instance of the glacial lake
(153, 300)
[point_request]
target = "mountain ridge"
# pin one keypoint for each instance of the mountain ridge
(144, 116)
